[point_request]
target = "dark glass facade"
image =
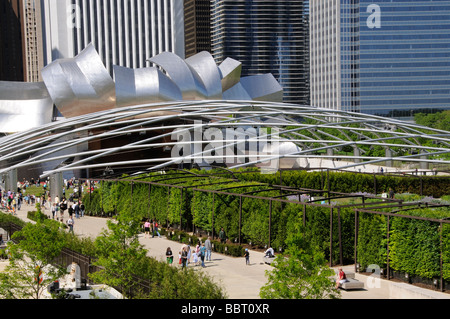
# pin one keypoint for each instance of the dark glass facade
(267, 37)
(403, 63)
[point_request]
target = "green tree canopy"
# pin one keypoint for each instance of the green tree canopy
(29, 271)
(301, 275)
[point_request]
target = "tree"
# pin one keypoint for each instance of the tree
(29, 271)
(301, 275)
(121, 256)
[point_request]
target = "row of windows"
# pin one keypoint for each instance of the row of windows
(405, 92)
(399, 65)
(404, 56)
(405, 74)
(426, 83)
(407, 46)
(425, 9)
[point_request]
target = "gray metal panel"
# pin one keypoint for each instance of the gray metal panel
(145, 85)
(230, 72)
(263, 87)
(80, 85)
(180, 73)
(206, 73)
(237, 92)
(23, 105)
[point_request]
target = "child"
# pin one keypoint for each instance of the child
(247, 256)
(194, 254)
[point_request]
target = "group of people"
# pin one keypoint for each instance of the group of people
(75, 210)
(196, 256)
(11, 201)
(151, 226)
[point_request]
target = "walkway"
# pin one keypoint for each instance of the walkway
(244, 282)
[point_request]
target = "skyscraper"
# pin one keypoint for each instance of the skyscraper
(267, 37)
(20, 40)
(389, 58)
(197, 26)
(124, 32)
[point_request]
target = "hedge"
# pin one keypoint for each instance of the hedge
(414, 245)
(210, 211)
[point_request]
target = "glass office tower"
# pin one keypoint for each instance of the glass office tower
(392, 57)
(267, 37)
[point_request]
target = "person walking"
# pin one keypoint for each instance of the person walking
(81, 208)
(70, 223)
(147, 229)
(208, 247)
(76, 209)
(222, 236)
(155, 229)
(62, 208)
(247, 256)
(53, 210)
(183, 257)
(202, 254)
(169, 255)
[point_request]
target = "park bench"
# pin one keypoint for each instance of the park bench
(352, 283)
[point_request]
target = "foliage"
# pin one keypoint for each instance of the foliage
(210, 211)
(301, 275)
(438, 120)
(37, 245)
(120, 253)
(372, 240)
(415, 246)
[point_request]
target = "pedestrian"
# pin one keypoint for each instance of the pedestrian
(183, 257)
(155, 229)
(56, 211)
(81, 208)
(222, 236)
(70, 210)
(76, 209)
(188, 261)
(169, 255)
(62, 208)
(202, 254)
(53, 210)
(70, 223)
(391, 193)
(147, 228)
(195, 255)
(208, 247)
(247, 256)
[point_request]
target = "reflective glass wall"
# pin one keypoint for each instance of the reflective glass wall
(267, 37)
(404, 56)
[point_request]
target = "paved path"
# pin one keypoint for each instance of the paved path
(242, 281)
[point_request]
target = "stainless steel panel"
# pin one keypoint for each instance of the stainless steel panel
(263, 87)
(145, 85)
(230, 73)
(80, 85)
(24, 105)
(179, 72)
(206, 73)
